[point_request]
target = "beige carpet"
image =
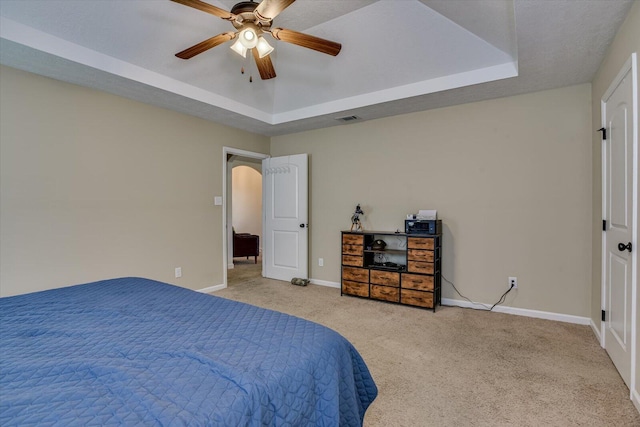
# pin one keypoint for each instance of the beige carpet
(459, 367)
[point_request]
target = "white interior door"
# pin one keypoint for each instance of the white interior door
(618, 117)
(285, 190)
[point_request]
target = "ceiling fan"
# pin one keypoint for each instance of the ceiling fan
(251, 20)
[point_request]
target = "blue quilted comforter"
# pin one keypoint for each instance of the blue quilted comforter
(138, 352)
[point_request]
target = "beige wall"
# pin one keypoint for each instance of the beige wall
(511, 179)
(95, 186)
(626, 42)
(247, 200)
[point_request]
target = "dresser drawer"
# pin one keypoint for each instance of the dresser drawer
(352, 250)
(356, 261)
(420, 267)
(421, 299)
(355, 288)
(415, 281)
(386, 278)
(355, 274)
(385, 293)
(419, 255)
(420, 243)
(352, 239)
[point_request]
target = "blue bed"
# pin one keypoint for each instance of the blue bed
(134, 351)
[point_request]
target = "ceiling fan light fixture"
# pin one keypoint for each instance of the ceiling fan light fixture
(264, 48)
(239, 48)
(248, 38)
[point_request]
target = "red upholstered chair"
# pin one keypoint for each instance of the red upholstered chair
(245, 244)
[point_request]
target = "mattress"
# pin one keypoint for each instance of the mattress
(134, 351)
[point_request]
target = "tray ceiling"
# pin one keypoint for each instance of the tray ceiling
(398, 56)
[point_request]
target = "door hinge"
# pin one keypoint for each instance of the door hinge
(603, 316)
(604, 225)
(604, 133)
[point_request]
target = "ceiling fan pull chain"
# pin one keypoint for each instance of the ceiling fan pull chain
(241, 70)
(251, 67)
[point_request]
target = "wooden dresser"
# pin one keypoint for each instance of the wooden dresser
(406, 271)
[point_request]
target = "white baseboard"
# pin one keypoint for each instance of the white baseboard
(635, 398)
(325, 283)
(596, 331)
(568, 318)
(212, 289)
(230, 266)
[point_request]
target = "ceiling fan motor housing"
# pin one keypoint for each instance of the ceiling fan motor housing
(245, 12)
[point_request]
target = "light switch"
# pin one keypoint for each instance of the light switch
(217, 200)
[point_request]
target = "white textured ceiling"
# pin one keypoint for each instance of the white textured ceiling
(398, 56)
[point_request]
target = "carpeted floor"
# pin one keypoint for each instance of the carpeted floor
(459, 367)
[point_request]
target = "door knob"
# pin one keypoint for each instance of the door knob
(622, 247)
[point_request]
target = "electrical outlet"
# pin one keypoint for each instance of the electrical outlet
(178, 272)
(513, 282)
(320, 262)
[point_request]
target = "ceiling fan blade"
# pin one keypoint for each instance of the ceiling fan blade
(305, 40)
(265, 66)
(206, 7)
(205, 45)
(269, 9)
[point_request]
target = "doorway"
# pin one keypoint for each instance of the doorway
(246, 164)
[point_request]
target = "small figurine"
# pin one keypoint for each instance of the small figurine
(355, 219)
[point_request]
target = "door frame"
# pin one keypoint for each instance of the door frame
(226, 182)
(629, 65)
